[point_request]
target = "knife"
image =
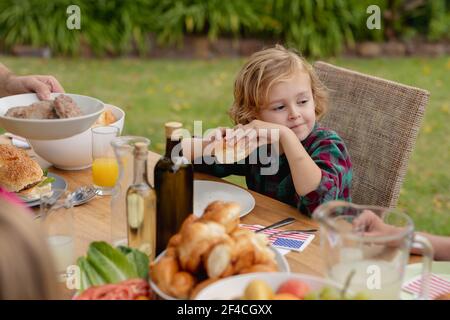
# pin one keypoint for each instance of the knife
(278, 224)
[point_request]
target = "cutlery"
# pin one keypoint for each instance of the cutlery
(278, 224)
(83, 195)
(80, 196)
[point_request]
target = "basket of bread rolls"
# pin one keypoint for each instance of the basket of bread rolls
(209, 248)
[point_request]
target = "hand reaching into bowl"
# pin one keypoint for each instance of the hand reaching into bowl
(42, 85)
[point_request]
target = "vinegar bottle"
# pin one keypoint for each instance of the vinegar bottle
(141, 206)
(174, 186)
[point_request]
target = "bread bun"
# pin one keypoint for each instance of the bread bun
(105, 119)
(17, 169)
(197, 239)
(182, 285)
(269, 267)
(35, 192)
(226, 154)
(224, 213)
(209, 248)
(218, 262)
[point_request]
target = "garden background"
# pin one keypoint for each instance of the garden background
(176, 60)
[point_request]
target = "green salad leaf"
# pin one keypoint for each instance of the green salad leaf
(46, 181)
(111, 264)
(138, 259)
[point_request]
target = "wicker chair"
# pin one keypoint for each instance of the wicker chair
(379, 121)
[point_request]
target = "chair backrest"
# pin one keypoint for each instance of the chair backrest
(379, 121)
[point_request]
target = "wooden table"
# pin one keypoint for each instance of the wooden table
(92, 220)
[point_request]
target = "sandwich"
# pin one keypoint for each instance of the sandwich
(226, 154)
(22, 175)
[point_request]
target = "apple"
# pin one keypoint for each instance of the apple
(295, 287)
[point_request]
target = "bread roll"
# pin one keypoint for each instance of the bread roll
(163, 271)
(105, 119)
(181, 285)
(197, 239)
(225, 213)
(219, 261)
(17, 169)
(224, 153)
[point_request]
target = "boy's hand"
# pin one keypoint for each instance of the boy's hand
(265, 132)
(215, 134)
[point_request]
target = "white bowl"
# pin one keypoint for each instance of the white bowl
(74, 153)
(46, 129)
(282, 264)
(234, 287)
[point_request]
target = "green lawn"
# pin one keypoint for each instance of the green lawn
(155, 91)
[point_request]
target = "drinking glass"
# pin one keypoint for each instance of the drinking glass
(105, 169)
(57, 220)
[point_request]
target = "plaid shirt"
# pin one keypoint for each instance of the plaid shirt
(327, 150)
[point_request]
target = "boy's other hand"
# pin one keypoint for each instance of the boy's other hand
(265, 132)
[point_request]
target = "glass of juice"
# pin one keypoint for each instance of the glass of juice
(105, 169)
(57, 221)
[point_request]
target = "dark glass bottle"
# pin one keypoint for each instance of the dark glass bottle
(174, 186)
(141, 206)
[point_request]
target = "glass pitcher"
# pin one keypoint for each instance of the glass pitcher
(123, 149)
(370, 260)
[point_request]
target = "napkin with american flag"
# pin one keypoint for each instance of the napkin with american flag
(438, 286)
(297, 241)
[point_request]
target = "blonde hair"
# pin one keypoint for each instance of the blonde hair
(26, 269)
(261, 72)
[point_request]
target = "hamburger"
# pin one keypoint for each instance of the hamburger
(22, 175)
(226, 154)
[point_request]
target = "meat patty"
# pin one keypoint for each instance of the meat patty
(38, 110)
(65, 107)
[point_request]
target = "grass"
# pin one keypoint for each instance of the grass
(155, 91)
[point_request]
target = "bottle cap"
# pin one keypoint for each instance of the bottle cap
(140, 149)
(173, 130)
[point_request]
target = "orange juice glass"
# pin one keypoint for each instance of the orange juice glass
(105, 169)
(105, 172)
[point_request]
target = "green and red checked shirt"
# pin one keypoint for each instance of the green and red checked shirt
(327, 150)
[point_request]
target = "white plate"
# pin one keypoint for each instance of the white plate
(439, 268)
(206, 192)
(283, 266)
(59, 183)
(49, 129)
(234, 287)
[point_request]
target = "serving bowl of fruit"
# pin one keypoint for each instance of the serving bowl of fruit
(275, 286)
